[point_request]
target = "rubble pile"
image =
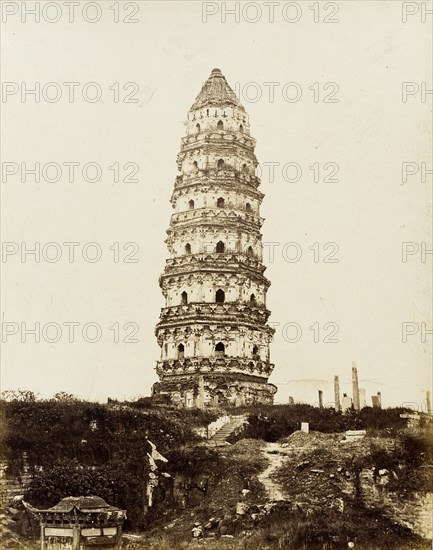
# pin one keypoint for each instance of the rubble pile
(318, 470)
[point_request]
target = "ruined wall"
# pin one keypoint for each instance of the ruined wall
(412, 511)
(11, 486)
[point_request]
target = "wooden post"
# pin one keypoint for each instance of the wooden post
(119, 537)
(76, 537)
(43, 547)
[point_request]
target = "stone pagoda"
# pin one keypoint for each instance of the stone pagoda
(213, 330)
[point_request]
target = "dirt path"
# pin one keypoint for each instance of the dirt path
(275, 454)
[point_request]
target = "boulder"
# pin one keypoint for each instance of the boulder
(241, 508)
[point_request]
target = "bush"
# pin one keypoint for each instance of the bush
(411, 462)
(273, 422)
(191, 461)
(416, 450)
(92, 433)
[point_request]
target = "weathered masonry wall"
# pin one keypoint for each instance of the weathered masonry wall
(11, 486)
(414, 512)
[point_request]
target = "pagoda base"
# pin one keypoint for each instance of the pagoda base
(215, 390)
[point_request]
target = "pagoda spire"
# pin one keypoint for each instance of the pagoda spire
(216, 92)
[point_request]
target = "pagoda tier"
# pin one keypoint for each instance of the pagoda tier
(213, 330)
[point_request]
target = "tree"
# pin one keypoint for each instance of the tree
(64, 397)
(19, 395)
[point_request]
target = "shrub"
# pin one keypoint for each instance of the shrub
(271, 422)
(191, 461)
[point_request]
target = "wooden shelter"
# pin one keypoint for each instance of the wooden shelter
(80, 523)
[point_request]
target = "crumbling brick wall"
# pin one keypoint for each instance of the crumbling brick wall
(12, 485)
(413, 511)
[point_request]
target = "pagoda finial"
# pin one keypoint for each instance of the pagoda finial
(216, 92)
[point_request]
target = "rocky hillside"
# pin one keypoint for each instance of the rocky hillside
(308, 491)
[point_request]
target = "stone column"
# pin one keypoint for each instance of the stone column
(337, 394)
(320, 399)
(355, 387)
(240, 398)
(200, 396)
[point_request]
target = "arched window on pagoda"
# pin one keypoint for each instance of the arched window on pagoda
(220, 247)
(184, 298)
(187, 248)
(220, 125)
(220, 349)
(255, 351)
(220, 296)
(248, 207)
(245, 169)
(197, 127)
(253, 299)
(180, 351)
(250, 251)
(195, 166)
(241, 129)
(191, 204)
(220, 203)
(220, 164)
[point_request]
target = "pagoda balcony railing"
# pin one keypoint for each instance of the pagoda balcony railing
(215, 136)
(227, 311)
(216, 260)
(229, 212)
(224, 176)
(180, 232)
(216, 364)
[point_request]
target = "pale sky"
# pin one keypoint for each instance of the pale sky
(369, 212)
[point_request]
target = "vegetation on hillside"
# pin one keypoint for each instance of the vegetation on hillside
(411, 460)
(272, 422)
(78, 448)
(72, 447)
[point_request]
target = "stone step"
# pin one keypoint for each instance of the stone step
(225, 431)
